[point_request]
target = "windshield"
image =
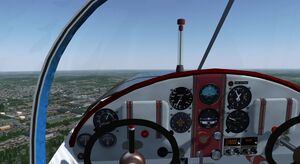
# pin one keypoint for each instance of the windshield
(121, 40)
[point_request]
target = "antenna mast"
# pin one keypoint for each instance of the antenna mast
(214, 37)
(180, 23)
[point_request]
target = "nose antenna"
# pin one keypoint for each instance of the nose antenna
(181, 23)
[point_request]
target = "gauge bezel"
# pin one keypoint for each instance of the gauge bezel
(184, 128)
(232, 104)
(229, 127)
(210, 125)
(111, 135)
(81, 135)
(188, 100)
(215, 100)
(104, 111)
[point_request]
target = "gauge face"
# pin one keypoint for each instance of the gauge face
(239, 97)
(83, 139)
(237, 121)
(108, 140)
(104, 116)
(181, 98)
(209, 94)
(181, 122)
(208, 118)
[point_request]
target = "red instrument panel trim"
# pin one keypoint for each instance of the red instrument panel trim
(218, 80)
(158, 116)
(129, 109)
(262, 113)
(116, 95)
(289, 109)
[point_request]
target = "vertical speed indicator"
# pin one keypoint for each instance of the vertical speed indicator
(181, 98)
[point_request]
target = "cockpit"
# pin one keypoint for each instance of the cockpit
(179, 116)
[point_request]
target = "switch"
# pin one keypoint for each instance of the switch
(253, 150)
(216, 154)
(217, 135)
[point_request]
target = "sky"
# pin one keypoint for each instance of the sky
(142, 34)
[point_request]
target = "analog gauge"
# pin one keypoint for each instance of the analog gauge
(209, 94)
(208, 118)
(181, 122)
(181, 98)
(83, 139)
(104, 116)
(237, 121)
(108, 140)
(239, 97)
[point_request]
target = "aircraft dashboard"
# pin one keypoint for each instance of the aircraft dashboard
(215, 115)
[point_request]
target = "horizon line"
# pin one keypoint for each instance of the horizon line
(31, 71)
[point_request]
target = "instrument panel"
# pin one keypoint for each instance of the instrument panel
(211, 113)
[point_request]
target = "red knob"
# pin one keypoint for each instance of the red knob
(274, 128)
(180, 22)
(145, 133)
(131, 126)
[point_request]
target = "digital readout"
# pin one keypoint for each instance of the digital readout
(232, 142)
(249, 141)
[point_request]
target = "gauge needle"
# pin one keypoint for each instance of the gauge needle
(232, 119)
(107, 116)
(179, 100)
(238, 96)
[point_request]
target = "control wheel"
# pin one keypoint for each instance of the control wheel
(276, 134)
(132, 155)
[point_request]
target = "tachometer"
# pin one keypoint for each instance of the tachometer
(239, 97)
(208, 118)
(104, 116)
(181, 98)
(237, 121)
(209, 94)
(181, 122)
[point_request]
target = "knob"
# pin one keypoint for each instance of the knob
(216, 154)
(135, 157)
(253, 150)
(236, 151)
(217, 135)
(228, 152)
(245, 151)
(162, 152)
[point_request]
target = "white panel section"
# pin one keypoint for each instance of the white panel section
(147, 110)
(259, 88)
(275, 113)
(158, 91)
